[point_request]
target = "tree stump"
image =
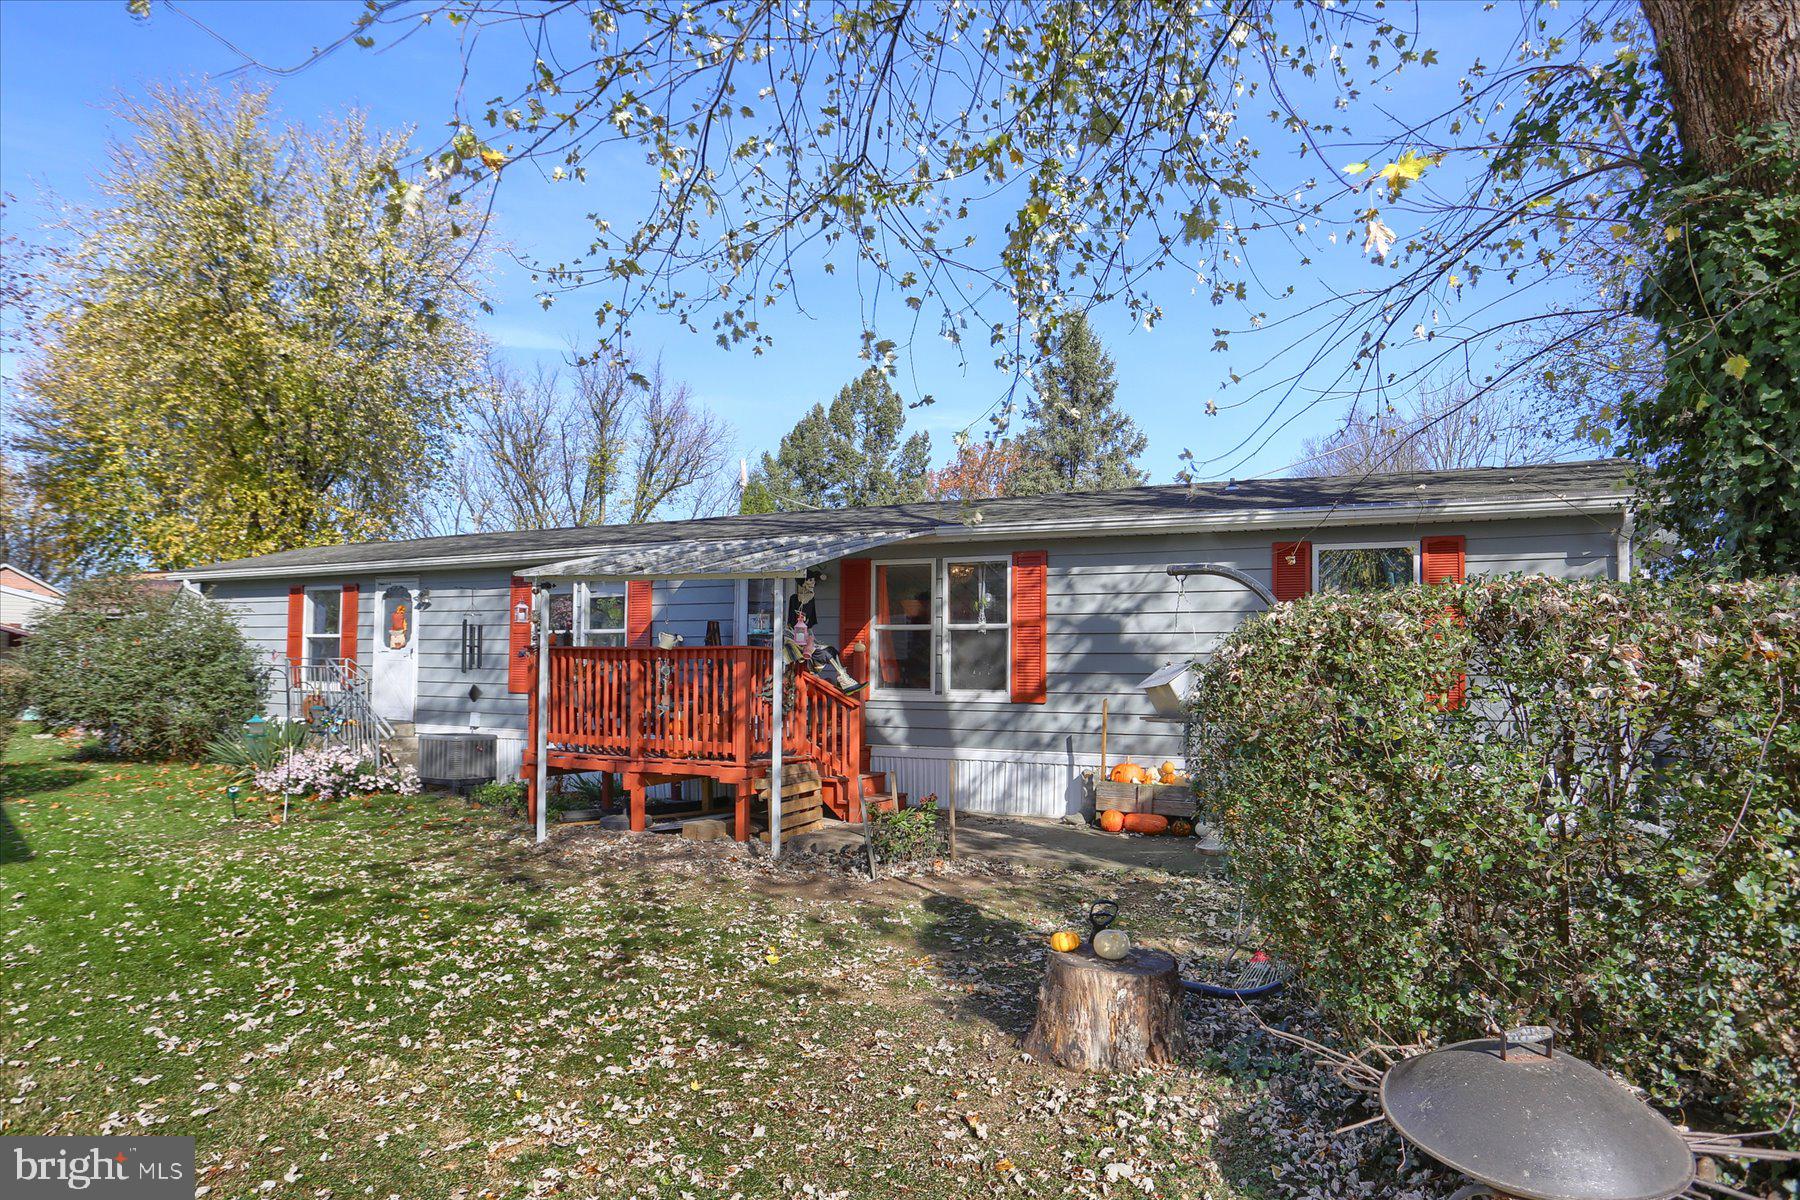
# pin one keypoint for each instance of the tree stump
(1098, 1015)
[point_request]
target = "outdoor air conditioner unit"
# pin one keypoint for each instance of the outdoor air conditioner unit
(458, 760)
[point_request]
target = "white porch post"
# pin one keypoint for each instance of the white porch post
(779, 645)
(540, 747)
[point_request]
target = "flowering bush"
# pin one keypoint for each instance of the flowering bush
(1604, 832)
(332, 772)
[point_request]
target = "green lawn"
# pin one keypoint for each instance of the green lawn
(405, 997)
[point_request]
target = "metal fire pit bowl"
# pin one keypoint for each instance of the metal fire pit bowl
(1521, 1117)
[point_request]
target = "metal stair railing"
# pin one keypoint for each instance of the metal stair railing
(342, 712)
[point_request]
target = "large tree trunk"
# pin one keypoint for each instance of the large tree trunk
(1731, 65)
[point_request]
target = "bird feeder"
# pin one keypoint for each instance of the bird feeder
(1168, 688)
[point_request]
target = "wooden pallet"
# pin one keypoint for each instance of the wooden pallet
(802, 798)
(1163, 799)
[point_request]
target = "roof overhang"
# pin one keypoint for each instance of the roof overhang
(734, 558)
(1296, 517)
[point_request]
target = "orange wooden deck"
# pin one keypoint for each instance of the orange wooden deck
(652, 715)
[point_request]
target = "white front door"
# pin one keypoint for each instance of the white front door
(394, 683)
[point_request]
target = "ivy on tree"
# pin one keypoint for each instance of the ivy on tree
(1721, 438)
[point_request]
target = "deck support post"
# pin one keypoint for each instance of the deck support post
(777, 658)
(634, 799)
(541, 740)
(740, 811)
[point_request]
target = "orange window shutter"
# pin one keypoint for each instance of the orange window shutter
(521, 673)
(347, 616)
(853, 615)
(640, 599)
(1442, 559)
(1290, 574)
(1030, 592)
(1445, 560)
(296, 647)
(887, 665)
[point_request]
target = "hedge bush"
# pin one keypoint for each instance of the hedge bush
(12, 695)
(154, 673)
(1601, 835)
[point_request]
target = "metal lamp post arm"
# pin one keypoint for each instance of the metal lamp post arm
(1183, 570)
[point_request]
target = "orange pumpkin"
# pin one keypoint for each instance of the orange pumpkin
(1112, 820)
(1145, 823)
(1065, 940)
(1181, 828)
(1125, 772)
(1169, 771)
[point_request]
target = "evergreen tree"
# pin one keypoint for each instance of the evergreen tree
(850, 455)
(1076, 438)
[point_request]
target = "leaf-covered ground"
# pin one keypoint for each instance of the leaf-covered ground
(405, 998)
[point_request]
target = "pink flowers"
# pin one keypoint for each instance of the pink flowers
(332, 772)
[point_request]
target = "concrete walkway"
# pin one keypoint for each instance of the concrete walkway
(1035, 841)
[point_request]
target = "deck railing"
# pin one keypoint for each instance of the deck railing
(699, 704)
(825, 726)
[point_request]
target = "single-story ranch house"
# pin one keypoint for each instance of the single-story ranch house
(989, 634)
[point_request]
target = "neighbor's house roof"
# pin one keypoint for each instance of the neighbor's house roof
(1486, 493)
(22, 580)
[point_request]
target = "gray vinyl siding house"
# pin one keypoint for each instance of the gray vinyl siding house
(1112, 614)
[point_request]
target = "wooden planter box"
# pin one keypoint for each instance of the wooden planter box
(1170, 800)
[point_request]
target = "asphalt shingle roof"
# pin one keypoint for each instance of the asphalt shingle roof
(1499, 486)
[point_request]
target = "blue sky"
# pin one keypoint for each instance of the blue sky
(61, 63)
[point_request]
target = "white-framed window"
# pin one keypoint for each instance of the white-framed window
(905, 654)
(978, 626)
(603, 614)
(1364, 566)
(324, 625)
(753, 613)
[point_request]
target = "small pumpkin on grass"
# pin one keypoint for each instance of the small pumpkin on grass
(1180, 828)
(1065, 940)
(1112, 820)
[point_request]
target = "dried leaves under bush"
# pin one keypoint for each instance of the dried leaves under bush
(1602, 835)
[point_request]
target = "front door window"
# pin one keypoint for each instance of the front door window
(397, 618)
